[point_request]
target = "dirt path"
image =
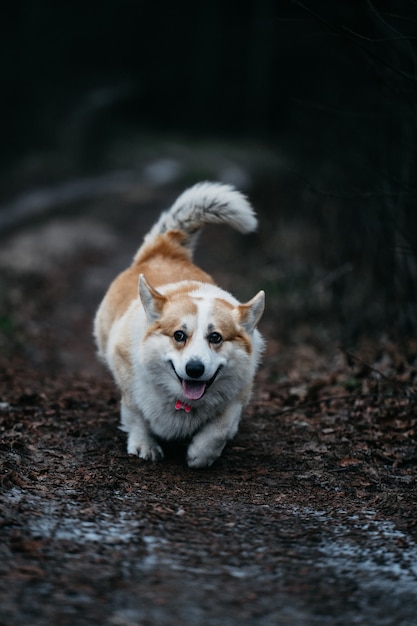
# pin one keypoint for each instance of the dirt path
(308, 518)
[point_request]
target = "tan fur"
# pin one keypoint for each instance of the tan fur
(165, 260)
(177, 306)
(228, 326)
(162, 261)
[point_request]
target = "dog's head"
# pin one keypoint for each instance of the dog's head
(199, 339)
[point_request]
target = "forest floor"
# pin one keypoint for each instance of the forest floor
(309, 517)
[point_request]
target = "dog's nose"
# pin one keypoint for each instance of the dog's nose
(194, 368)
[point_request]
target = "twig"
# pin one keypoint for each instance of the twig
(353, 357)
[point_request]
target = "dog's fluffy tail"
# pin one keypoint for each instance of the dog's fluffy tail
(205, 203)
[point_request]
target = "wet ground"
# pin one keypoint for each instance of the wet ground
(308, 518)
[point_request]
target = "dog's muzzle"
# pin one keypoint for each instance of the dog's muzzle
(195, 389)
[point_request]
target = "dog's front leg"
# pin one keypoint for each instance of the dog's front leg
(140, 440)
(208, 443)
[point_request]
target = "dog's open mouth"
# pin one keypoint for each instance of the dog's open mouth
(195, 389)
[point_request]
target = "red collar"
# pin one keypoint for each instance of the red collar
(181, 405)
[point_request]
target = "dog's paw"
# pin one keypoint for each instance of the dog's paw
(146, 451)
(200, 455)
(200, 462)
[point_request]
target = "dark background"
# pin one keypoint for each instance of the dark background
(330, 85)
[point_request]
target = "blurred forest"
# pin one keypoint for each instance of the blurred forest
(328, 88)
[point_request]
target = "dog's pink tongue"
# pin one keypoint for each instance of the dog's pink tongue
(193, 389)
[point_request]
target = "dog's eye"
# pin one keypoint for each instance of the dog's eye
(214, 338)
(180, 336)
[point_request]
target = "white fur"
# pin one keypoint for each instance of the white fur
(149, 379)
(206, 203)
(148, 405)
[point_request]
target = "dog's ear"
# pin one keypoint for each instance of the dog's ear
(251, 312)
(152, 300)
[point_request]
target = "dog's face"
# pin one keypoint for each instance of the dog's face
(197, 343)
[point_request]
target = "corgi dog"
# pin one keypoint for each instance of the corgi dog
(182, 350)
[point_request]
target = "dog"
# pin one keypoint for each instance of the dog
(182, 350)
